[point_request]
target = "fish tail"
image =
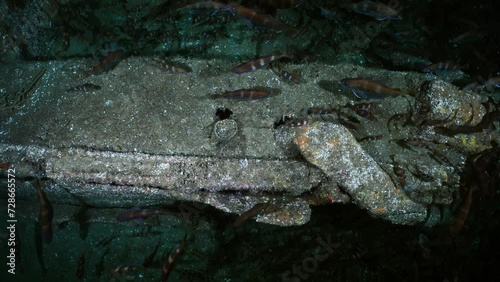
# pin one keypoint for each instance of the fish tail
(411, 92)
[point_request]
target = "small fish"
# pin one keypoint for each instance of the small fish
(467, 37)
(493, 81)
(46, 213)
(138, 213)
(24, 94)
(484, 170)
(424, 246)
(205, 5)
(258, 63)
(169, 264)
(440, 158)
(245, 94)
(63, 224)
(418, 173)
(321, 111)
(263, 19)
(144, 233)
(485, 123)
(407, 143)
(80, 267)
(288, 77)
(291, 122)
(462, 214)
(471, 86)
(148, 261)
(86, 87)
(366, 114)
(126, 268)
(347, 121)
(172, 68)
(109, 62)
(66, 41)
(399, 171)
(444, 66)
(82, 216)
(106, 241)
(255, 210)
(376, 10)
(370, 138)
(297, 122)
(368, 89)
(99, 267)
(363, 110)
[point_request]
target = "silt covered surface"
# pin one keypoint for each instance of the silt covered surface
(146, 128)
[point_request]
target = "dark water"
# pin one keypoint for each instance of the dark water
(458, 41)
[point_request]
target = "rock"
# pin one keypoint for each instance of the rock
(441, 101)
(119, 179)
(333, 149)
(225, 129)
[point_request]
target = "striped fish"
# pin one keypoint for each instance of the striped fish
(444, 66)
(126, 268)
(205, 5)
(25, 93)
(493, 81)
(254, 211)
(169, 264)
(286, 76)
(263, 19)
(172, 68)
(46, 213)
(376, 10)
(462, 214)
(368, 89)
(107, 63)
(86, 87)
(258, 63)
(138, 213)
(244, 94)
